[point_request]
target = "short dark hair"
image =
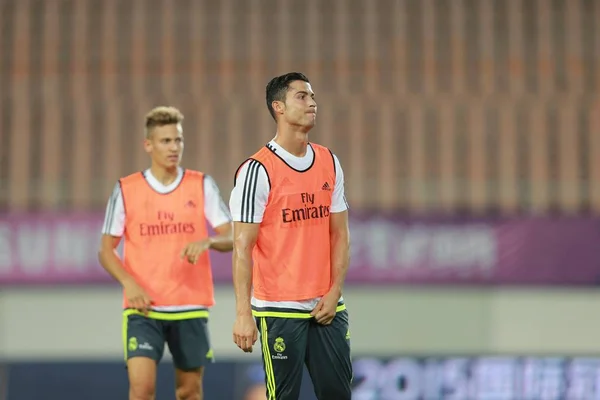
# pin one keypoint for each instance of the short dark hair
(278, 87)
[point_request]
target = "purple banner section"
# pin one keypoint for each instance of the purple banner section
(524, 251)
(386, 249)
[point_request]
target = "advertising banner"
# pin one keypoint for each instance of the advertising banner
(396, 378)
(386, 249)
(477, 378)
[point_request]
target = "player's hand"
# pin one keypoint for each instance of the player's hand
(193, 250)
(325, 310)
(137, 296)
(245, 332)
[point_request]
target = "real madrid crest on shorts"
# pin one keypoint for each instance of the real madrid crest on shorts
(133, 344)
(279, 345)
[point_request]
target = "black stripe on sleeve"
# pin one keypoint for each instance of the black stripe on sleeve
(238, 170)
(249, 192)
(242, 212)
(255, 178)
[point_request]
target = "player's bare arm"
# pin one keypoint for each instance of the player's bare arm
(222, 241)
(245, 332)
(110, 261)
(339, 234)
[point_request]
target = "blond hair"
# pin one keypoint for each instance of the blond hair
(161, 116)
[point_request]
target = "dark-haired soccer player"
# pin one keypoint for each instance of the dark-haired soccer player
(291, 252)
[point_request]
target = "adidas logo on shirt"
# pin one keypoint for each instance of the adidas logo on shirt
(286, 182)
(326, 186)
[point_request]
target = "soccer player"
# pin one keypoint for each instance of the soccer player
(291, 252)
(162, 213)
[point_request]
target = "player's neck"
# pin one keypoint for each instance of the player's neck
(294, 142)
(166, 176)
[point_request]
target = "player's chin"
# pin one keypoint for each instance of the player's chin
(310, 123)
(172, 161)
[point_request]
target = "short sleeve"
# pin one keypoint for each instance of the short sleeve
(114, 218)
(250, 193)
(338, 202)
(215, 209)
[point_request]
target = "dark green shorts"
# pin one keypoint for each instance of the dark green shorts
(290, 343)
(186, 334)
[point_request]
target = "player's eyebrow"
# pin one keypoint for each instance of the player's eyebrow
(305, 92)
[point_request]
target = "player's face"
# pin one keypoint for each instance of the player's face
(300, 106)
(165, 145)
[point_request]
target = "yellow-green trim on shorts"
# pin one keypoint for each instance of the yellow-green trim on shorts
(285, 314)
(168, 316)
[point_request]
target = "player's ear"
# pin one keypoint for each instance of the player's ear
(148, 140)
(278, 106)
(147, 146)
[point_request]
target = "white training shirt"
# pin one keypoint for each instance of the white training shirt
(256, 192)
(215, 211)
